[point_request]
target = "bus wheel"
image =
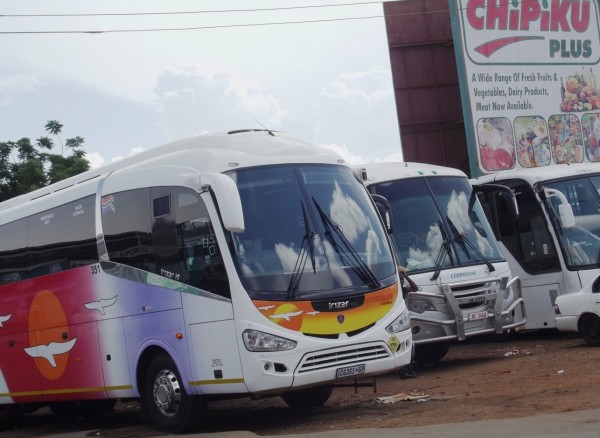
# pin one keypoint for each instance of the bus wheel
(430, 353)
(308, 398)
(168, 405)
(589, 326)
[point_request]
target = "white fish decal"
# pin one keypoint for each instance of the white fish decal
(100, 305)
(4, 319)
(49, 351)
(313, 313)
(286, 316)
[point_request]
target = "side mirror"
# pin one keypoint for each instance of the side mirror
(565, 211)
(385, 211)
(567, 218)
(228, 199)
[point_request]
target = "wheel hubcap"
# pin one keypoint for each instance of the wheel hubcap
(167, 393)
(593, 328)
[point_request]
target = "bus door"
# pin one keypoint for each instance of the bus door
(529, 247)
(187, 250)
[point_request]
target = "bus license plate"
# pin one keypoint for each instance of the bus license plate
(350, 371)
(475, 316)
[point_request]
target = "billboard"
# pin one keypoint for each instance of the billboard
(529, 75)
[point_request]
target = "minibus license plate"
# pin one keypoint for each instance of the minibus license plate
(475, 316)
(350, 371)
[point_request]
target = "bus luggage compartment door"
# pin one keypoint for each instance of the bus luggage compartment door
(216, 358)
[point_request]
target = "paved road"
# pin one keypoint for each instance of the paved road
(582, 424)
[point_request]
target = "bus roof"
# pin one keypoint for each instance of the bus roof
(217, 153)
(539, 174)
(389, 171)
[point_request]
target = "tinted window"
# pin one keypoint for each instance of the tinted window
(126, 221)
(62, 238)
(13, 254)
(199, 253)
(161, 206)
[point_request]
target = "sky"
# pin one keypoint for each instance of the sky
(130, 75)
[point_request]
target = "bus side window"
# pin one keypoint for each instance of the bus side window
(164, 234)
(62, 238)
(199, 252)
(13, 251)
(126, 222)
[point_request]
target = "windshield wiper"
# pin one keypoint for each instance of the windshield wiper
(307, 240)
(463, 241)
(444, 249)
(360, 267)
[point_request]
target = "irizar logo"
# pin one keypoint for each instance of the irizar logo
(565, 27)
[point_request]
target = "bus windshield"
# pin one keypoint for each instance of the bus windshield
(438, 223)
(308, 229)
(580, 244)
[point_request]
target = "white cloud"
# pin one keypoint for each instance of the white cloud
(180, 84)
(344, 152)
(396, 156)
(353, 159)
(136, 151)
(358, 110)
(11, 87)
(132, 152)
(191, 101)
(96, 160)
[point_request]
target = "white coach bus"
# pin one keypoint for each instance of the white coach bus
(554, 244)
(226, 265)
(446, 246)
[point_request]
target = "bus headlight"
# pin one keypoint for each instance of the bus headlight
(400, 324)
(260, 341)
(419, 306)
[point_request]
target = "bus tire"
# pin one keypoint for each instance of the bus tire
(430, 353)
(308, 398)
(589, 327)
(168, 405)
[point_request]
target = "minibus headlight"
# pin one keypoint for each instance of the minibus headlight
(400, 324)
(260, 341)
(419, 306)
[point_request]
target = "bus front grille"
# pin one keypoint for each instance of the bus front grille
(469, 296)
(325, 359)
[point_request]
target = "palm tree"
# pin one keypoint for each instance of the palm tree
(54, 127)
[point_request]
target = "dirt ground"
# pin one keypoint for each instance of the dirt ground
(532, 373)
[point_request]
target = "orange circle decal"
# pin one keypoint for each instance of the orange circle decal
(289, 316)
(48, 345)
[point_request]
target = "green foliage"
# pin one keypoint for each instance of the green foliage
(25, 167)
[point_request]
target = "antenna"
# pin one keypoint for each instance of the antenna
(265, 128)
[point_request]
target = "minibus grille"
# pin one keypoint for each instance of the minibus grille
(321, 360)
(473, 295)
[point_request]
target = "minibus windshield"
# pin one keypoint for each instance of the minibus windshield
(438, 223)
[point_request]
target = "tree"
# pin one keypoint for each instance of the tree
(25, 167)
